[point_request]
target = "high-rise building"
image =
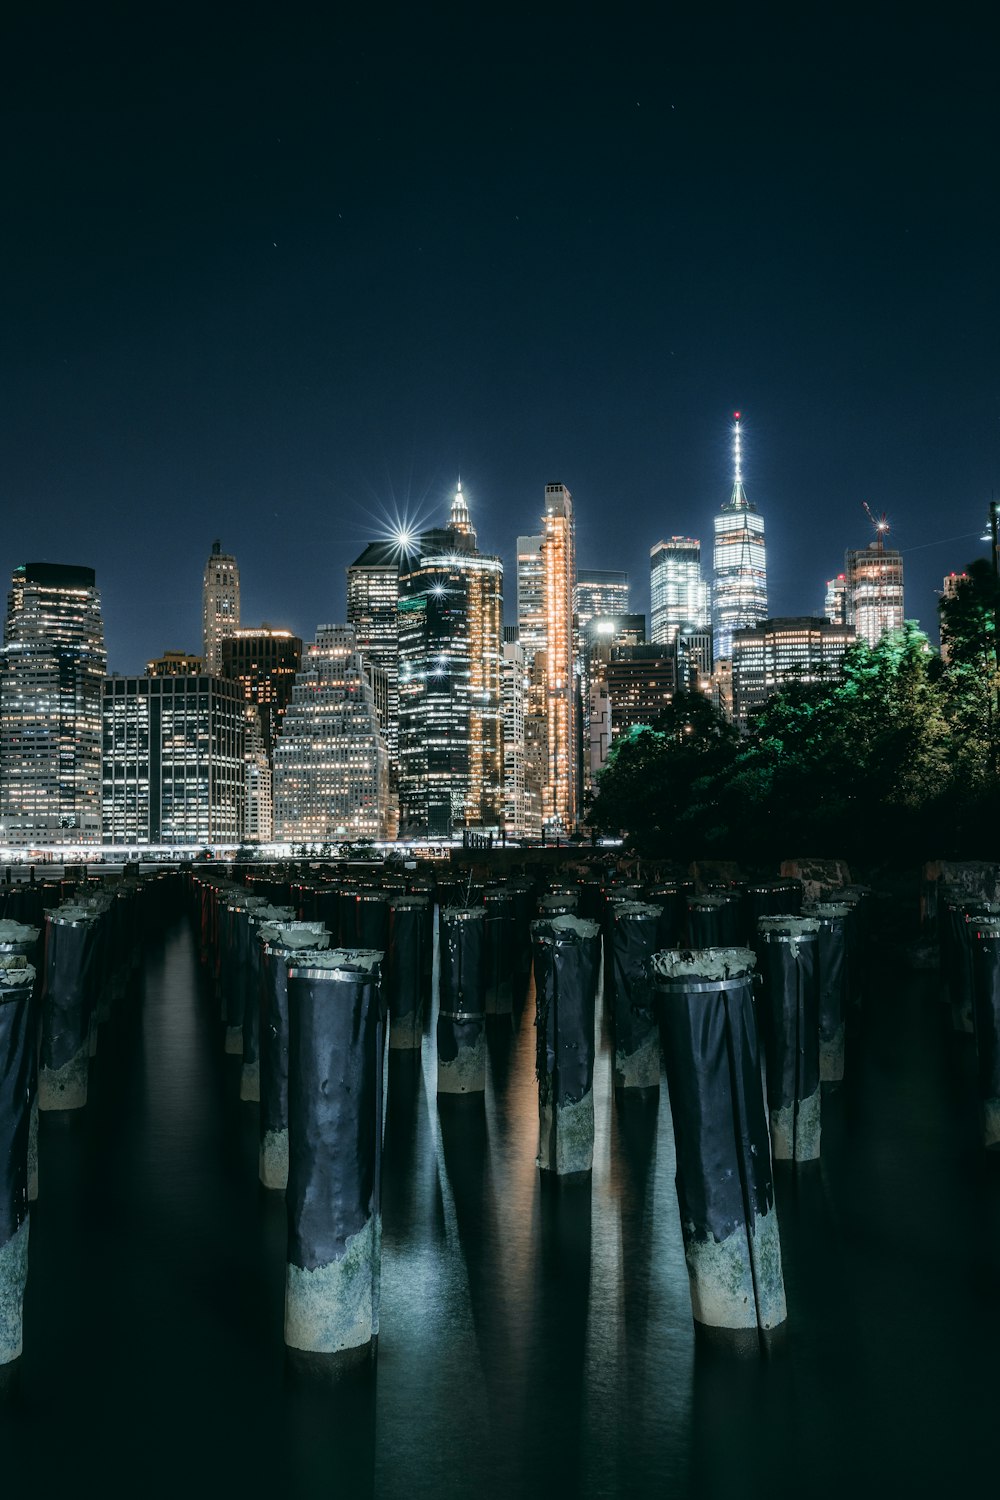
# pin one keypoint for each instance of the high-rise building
(641, 682)
(173, 768)
(331, 766)
(602, 636)
(372, 609)
(258, 819)
(52, 666)
(530, 598)
(949, 590)
(220, 605)
(835, 603)
(739, 598)
(679, 600)
(780, 651)
(450, 667)
(599, 592)
(516, 814)
(561, 793)
(264, 662)
(875, 589)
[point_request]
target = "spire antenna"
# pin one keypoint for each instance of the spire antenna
(737, 451)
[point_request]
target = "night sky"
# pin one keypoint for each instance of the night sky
(275, 281)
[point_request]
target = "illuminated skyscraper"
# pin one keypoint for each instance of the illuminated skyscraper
(450, 665)
(598, 592)
(530, 598)
(220, 606)
(739, 599)
(678, 595)
(173, 760)
(52, 667)
(517, 819)
(875, 589)
(372, 600)
(331, 767)
(561, 791)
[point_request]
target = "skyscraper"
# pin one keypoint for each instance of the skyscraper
(835, 602)
(331, 767)
(173, 768)
(530, 598)
(264, 662)
(875, 588)
(372, 600)
(450, 662)
(598, 592)
(561, 792)
(52, 667)
(220, 605)
(517, 819)
(739, 559)
(678, 595)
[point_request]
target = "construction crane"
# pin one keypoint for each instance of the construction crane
(880, 523)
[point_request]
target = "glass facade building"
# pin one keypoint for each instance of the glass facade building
(331, 766)
(173, 769)
(874, 591)
(450, 673)
(739, 561)
(780, 651)
(52, 667)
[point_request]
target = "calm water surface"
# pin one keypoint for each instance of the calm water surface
(535, 1341)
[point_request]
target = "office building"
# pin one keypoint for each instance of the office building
(530, 598)
(220, 606)
(331, 766)
(372, 600)
(641, 682)
(521, 801)
(875, 590)
(739, 596)
(558, 550)
(679, 601)
(175, 664)
(173, 770)
(450, 669)
(602, 636)
(835, 602)
(781, 651)
(52, 666)
(264, 662)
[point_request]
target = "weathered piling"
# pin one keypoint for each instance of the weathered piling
(461, 1033)
(71, 939)
(831, 963)
(236, 967)
(716, 920)
(984, 943)
(280, 944)
(636, 934)
(18, 940)
(567, 957)
(405, 970)
(724, 1180)
(963, 918)
(17, 978)
(500, 940)
(787, 952)
(335, 1143)
(372, 921)
(250, 1070)
(522, 895)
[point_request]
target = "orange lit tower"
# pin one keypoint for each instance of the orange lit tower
(561, 791)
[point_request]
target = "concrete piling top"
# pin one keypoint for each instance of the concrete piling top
(17, 932)
(15, 971)
(704, 963)
(567, 927)
(464, 914)
(333, 963)
(790, 926)
(826, 911)
(293, 935)
(635, 909)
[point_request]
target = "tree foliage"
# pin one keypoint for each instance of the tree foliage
(876, 763)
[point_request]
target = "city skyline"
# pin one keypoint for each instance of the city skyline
(147, 639)
(276, 313)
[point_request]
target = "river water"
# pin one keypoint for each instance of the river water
(534, 1341)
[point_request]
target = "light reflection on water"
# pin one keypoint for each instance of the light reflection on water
(535, 1339)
